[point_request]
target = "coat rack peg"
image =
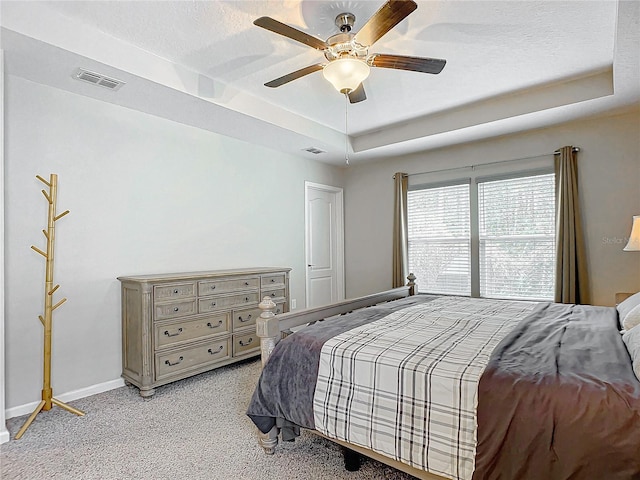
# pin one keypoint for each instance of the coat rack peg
(55, 219)
(58, 304)
(48, 401)
(39, 251)
(43, 180)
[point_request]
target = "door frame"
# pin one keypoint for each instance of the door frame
(4, 433)
(338, 193)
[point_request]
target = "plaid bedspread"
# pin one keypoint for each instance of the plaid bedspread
(406, 385)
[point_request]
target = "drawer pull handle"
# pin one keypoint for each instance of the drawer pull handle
(246, 284)
(244, 319)
(167, 362)
(218, 351)
(249, 342)
(273, 280)
(175, 309)
(214, 326)
(178, 332)
(175, 291)
(213, 304)
(273, 294)
(246, 299)
(213, 287)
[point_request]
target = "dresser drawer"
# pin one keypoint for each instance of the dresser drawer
(213, 287)
(211, 304)
(174, 309)
(191, 358)
(245, 318)
(175, 333)
(274, 294)
(273, 281)
(174, 291)
(248, 316)
(244, 343)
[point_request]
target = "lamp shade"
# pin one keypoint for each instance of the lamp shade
(345, 74)
(633, 245)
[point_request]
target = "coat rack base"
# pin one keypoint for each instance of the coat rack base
(46, 404)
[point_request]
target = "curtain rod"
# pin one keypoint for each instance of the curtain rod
(557, 152)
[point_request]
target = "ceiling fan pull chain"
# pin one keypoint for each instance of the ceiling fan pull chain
(346, 128)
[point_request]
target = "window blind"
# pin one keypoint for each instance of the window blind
(439, 239)
(517, 237)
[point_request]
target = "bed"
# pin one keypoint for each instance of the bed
(455, 387)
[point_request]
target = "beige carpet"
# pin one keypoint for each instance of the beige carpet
(192, 429)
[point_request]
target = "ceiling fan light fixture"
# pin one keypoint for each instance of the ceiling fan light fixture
(345, 74)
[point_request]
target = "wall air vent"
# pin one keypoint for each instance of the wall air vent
(313, 150)
(98, 79)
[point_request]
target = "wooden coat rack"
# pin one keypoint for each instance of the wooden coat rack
(47, 392)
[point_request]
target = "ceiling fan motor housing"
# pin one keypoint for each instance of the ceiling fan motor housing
(343, 44)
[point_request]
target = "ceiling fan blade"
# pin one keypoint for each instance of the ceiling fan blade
(357, 95)
(294, 75)
(403, 62)
(290, 32)
(387, 17)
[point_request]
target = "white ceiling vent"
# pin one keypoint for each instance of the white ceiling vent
(313, 150)
(98, 79)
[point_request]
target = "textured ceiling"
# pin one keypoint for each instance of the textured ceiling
(546, 59)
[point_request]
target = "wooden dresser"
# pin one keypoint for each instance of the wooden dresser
(181, 324)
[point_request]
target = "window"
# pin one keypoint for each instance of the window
(439, 239)
(490, 237)
(517, 237)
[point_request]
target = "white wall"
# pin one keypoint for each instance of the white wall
(146, 195)
(609, 185)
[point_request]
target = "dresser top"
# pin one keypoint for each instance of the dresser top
(160, 277)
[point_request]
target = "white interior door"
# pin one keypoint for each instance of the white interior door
(324, 239)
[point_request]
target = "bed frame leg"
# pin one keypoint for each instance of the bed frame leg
(351, 460)
(269, 441)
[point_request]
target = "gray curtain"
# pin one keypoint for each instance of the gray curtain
(400, 230)
(572, 284)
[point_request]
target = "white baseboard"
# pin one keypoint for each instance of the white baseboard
(4, 434)
(65, 397)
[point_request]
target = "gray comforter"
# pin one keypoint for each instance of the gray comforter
(559, 400)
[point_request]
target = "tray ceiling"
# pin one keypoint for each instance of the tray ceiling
(511, 65)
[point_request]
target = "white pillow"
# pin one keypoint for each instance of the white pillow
(631, 339)
(625, 307)
(632, 318)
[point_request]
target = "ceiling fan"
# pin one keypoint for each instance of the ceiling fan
(348, 54)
